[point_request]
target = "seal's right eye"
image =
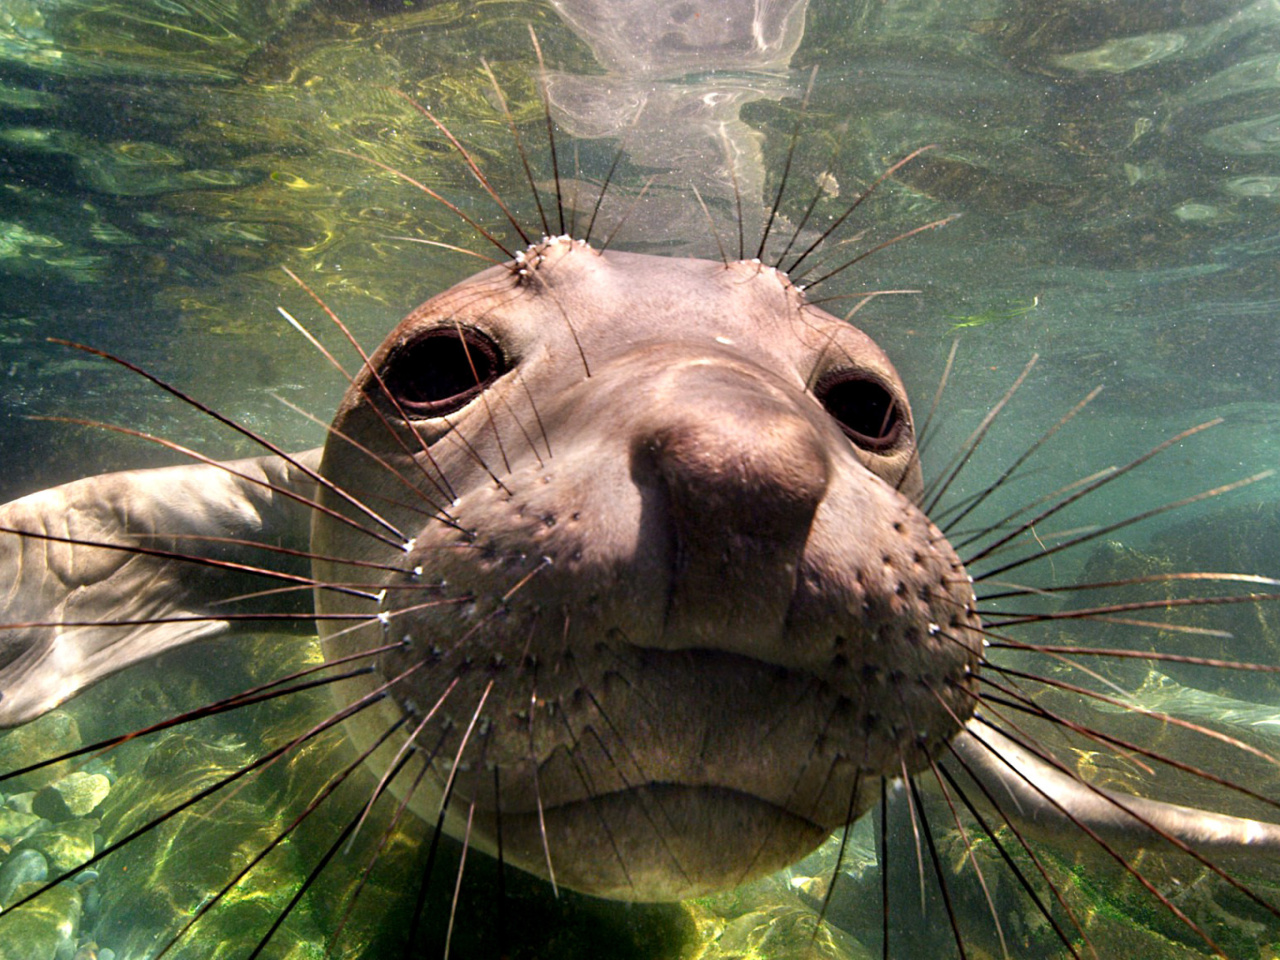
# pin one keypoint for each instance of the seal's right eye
(440, 371)
(864, 408)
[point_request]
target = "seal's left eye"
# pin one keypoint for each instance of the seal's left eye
(866, 410)
(440, 371)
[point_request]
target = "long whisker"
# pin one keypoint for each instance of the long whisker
(437, 511)
(993, 835)
(457, 889)
(933, 225)
(857, 202)
(551, 130)
(306, 501)
(1017, 464)
(1135, 708)
(711, 223)
(136, 549)
(1118, 525)
(938, 871)
(191, 801)
(480, 231)
(334, 783)
(962, 458)
(973, 860)
(600, 195)
(442, 485)
(786, 167)
(515, 137)
(1102, 844)
(468, 160)
(240, 429)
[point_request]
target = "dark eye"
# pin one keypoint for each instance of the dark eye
(865, 409)
(440, 371)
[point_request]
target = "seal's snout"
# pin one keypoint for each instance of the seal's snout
(742, 470)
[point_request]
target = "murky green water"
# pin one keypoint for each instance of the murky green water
(1115, 168)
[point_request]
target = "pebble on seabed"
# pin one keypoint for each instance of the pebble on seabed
(46, 831)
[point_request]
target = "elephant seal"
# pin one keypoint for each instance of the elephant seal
(634, 545)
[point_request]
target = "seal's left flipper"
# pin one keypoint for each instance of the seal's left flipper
(72, 613)
(1052, 804)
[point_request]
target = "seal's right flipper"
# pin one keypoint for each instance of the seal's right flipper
(101, 573)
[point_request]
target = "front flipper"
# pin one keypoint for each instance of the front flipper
(1052, 805)
(101, 573)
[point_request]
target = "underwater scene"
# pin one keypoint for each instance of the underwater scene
(1059, 220)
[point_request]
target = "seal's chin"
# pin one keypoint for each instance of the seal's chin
(660, 841)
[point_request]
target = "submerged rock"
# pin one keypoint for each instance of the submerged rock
(45, 929)
(75, 795)
(65, 845)
(25, 866)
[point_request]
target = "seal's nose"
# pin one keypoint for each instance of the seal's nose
(743, 469)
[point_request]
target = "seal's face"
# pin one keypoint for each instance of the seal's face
(667, 611)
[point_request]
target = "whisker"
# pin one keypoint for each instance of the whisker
(452, 247)
(936, 491)
(857, 202)
(457, 889)
(1117, 745)
(915, 827)
(973, 860)
(191, 801)
(959, 543)
(1174, 576)
(333, 784)
(600, 195)
(310, 337)
(1004, 618)
(135, 549)
(242, 430)
(278, 550)
(387, 834)
(520, 150)
(882, 856)
(442, 486)
(737, 202)
(1105, 477)
(992, 834)
(260, 694)
(786, 167)
(468, 160)
(1136, 708)
(933, 225)
(1120, 653)
(438, 511)
(537, 417)
(924, 436)
(1110, 528)
(537, 786)
(480, 231)
(938, 872)
(711, 223)
(818, 194)
(408, 745)
(835, 870)
(457, 758)
(1017, 464)
(1097, 839)
(625, 214)
(593, 794)
(551, 132)
(304, 887)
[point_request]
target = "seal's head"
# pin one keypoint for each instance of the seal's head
(666, 608)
